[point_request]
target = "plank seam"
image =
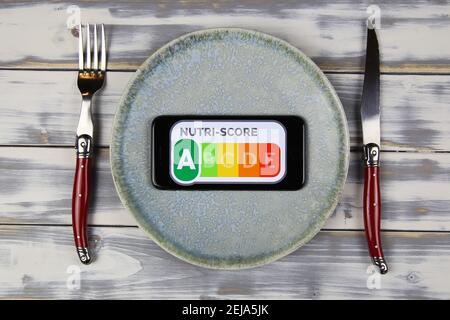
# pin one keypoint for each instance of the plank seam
(105, 147)
(137, 227)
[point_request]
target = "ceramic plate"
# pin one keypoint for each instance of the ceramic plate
(230, 72)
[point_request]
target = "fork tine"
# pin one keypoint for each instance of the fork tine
(88, 48)
(95, 48)
(80, 48)
(103, 58)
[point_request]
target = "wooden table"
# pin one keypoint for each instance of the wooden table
(39, 107)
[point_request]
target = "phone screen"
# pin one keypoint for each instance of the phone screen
(228, 152)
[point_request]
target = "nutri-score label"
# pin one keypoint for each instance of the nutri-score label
(227, 151)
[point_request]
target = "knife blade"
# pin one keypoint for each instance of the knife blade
(370, 106)
(370, 117)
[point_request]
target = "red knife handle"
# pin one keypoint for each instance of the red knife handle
(80, 197)
(372, 205)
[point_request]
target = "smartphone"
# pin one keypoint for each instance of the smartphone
(191, 152)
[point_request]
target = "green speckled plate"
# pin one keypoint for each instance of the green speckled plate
(230, 72)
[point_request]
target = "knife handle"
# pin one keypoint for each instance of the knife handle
(372, 205)
(80, 197)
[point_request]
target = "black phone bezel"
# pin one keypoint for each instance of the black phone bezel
(294, 178)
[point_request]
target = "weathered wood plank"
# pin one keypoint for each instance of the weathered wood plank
(36, 188)
(413, 34)
(38, 263)
(42, 108)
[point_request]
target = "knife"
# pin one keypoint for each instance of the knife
(370, 116)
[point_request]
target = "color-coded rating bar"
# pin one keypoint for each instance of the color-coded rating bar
(240, 160)
(225, 159)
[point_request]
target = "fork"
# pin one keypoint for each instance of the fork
(91, 77)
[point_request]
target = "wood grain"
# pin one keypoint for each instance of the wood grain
(40, 263)
(36, 188)
(39, 107)
(42, 108)
(413, 34)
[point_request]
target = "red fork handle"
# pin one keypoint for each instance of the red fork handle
(372, 210)
(80, 205)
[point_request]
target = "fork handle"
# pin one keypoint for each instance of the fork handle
(80, 197)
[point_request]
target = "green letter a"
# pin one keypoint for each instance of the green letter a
(185, 160)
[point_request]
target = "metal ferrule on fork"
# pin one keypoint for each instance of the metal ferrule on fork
(84, 146)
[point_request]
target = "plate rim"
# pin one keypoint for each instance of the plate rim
(229, 264)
